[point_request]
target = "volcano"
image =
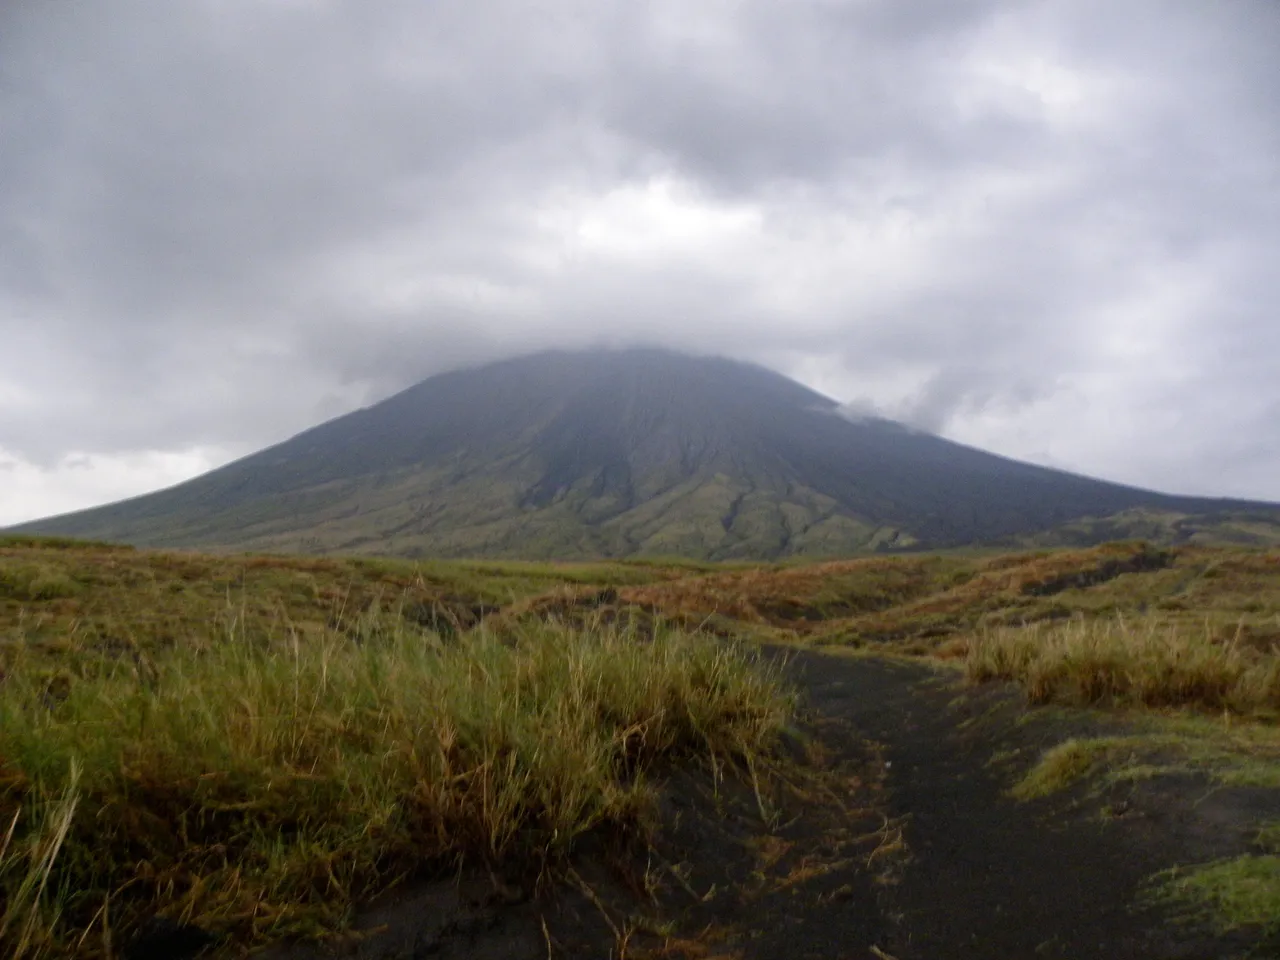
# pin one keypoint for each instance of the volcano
(563, 455)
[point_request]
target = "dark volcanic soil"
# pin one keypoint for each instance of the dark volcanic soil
(901, 843)
(989, 877)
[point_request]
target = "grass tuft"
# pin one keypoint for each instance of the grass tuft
(1061, 766)
(35, 582)
(1235, 894)
(1138, 662)
(27, 921)
(259, 789)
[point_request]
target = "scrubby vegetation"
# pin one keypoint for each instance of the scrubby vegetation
(258, 790)
(935, 604)
(258, 782)
(253, 743)
(1147, 662)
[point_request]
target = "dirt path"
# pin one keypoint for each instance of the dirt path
(905, 845)
(989, 877)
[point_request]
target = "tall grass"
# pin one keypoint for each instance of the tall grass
(260, 789)
(1143, 661)
(27, 920)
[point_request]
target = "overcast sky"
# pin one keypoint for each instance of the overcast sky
(1049, 229)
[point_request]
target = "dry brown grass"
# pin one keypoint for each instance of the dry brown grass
(916, 604)
(1144, 662)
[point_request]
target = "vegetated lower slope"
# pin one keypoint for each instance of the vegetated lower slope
(638, 452)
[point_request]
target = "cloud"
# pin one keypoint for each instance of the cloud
(31, 491)
(1049, 229)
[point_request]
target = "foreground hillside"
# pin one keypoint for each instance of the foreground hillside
(639, 453)
(228, 750)
(254, 745)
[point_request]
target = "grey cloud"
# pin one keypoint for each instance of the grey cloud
(221, 222)
(805, 92)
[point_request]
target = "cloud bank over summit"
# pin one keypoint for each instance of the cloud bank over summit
(1046, 229)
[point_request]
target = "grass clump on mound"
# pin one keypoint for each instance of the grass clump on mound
(1233, 894)
(258, 790)
(1143, 662)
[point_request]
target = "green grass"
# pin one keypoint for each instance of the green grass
(1225, 752)
(1063, 765)
(36, 582)
(261, 788)
(1237, 893)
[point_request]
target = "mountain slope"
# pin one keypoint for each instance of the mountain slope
(623, 453)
